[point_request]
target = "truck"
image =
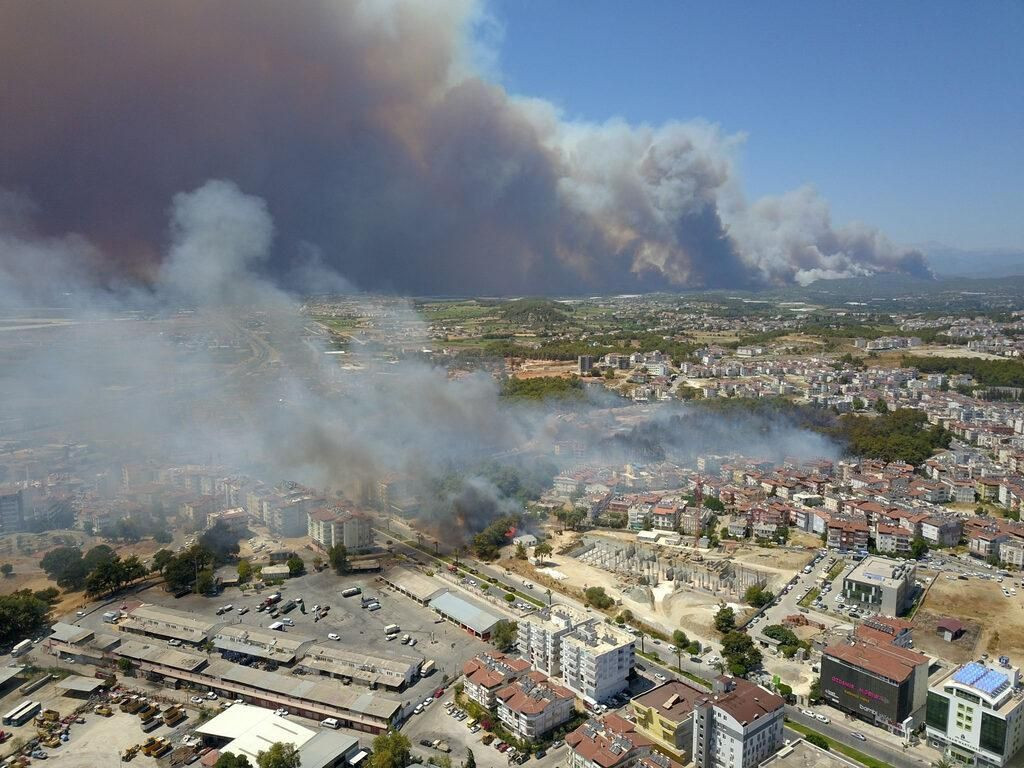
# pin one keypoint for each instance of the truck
(351, 592)
(110, 616)
(392, 629)
(277, 626)
(21, 648)
(427, 668)
(288, 606)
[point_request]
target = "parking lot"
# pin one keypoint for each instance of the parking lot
(435, 723)
(357, 628)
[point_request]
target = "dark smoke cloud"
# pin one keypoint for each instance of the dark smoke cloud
(380, 154)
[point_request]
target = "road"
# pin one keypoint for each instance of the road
(841, 731)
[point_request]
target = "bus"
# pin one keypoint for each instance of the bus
(351, 592)
(391, 629)
(22, 713)
(21, 648)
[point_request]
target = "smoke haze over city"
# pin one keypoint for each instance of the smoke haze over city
(384, 154)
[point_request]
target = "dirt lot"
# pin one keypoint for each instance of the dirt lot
(927, 641)
(24, 551)
(531, 369)
(982, 603)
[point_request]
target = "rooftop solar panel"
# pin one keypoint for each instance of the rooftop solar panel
(988, 681)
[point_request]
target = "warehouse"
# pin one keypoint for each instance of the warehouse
(473, 618)
(394, 671)
(258, 643)
(412, 583)
(168, 623)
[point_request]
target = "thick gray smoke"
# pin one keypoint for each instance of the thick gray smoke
(140, 371)
(381, 153)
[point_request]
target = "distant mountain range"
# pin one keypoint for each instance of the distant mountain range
(945, 260)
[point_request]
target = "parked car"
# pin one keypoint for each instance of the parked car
(333, 636)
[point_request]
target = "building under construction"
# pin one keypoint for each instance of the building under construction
(651, 565)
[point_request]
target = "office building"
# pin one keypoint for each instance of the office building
(881, 585)
(881, 683)
(974, 715)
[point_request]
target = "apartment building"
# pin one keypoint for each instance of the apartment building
(975, 715)
(893, 539)
(665, 715)
(533, 706)
(737, 725)
(490, 672)
(330, 526)
(596, 660)
(12, 510)
(611, 742)
(539, 637)
(847, 535)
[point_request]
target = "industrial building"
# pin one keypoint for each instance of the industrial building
(392, 671)
(258, 643)
(472, 617)
(975, 714)
(881, 585)
(168, 623)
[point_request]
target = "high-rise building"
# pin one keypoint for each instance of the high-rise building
(596, 661)
(12, 510)
(586, 364)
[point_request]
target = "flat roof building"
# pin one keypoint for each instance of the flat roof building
(259, 643)
(157, 621)
(975, 714)
(881, 584)
(392, 671)
(470, 616)
(596, 661)
(413, 583)
(803, 754)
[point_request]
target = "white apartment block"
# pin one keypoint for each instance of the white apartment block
(596, 661)
(539, 637)
(330, 527)
(739, 725)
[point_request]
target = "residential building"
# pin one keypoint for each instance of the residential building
(12, 510)
(533, 706)
(884, 585)
(488, 673)
(331, 526)
(596, 660)
(693, 519)
(665, 715)
(611, 742)
(944, 531)
(803, 754)
(975, 715)
(539, 637)
(847, 535)
(893, 539)
(737, 725)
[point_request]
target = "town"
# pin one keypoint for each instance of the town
(739, 533)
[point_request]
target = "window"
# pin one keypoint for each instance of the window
(993, 733)
(937, 711)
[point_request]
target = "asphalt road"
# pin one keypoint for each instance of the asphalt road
(841, 730)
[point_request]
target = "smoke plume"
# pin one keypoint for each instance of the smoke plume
(381, 153)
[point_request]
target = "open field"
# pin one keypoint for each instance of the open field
(933, 351)
(982, 602)
(927, 641)
(532, 369)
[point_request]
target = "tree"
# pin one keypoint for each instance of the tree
(221, 541)
(503, 636)
(918, 548)
(470, 760)
(88, 527)
(244, 571)
(680, 639)
(160, 560)
(231, 760)
(279, 755)
(6, 569)
(541, 551)
(337, 556)
(757, 596)
(65, 566)
(390, 750)
(125, 665)
(818, 740)
(98, 554)
(521, 553)
(597, 597)
(164, 536)
(815, 693)
(204, 582)
(739, 651)
(296, 567)
(21, 614)
(725, 619)
(858, 404)
(881, 406)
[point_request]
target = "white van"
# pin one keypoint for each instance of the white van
(330, 722)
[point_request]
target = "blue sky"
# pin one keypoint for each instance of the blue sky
(905, 115)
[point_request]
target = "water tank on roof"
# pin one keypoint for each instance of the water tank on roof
(1004, 661)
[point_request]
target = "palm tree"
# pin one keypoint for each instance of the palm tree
(943, 762)
(679, 656)
(548, 593)
(641, 635)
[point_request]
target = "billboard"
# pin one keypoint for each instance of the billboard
(861, 693)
